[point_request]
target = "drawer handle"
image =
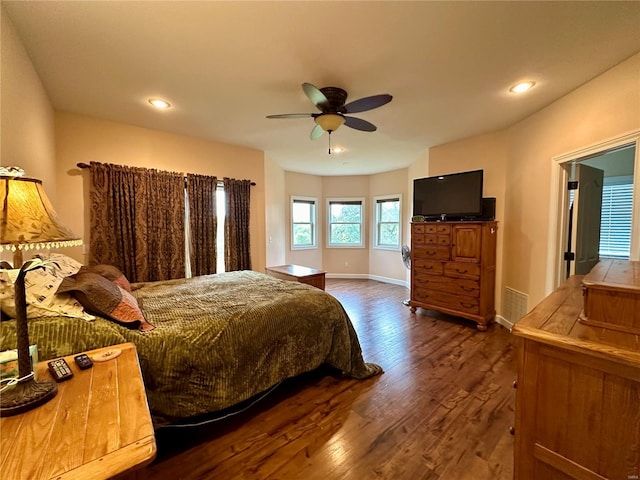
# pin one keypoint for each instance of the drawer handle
(431, 253)
(515, 384)
(461, 271)
(428, 267)
(467, 289)
(467, 305)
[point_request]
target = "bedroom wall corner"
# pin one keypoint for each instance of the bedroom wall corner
(304, 185)
(490, 153)
(26, 114)
(604, 108)
(383, 263)
(275, 208)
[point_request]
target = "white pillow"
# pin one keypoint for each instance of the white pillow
(41, 286)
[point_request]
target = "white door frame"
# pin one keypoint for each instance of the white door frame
(559, 206)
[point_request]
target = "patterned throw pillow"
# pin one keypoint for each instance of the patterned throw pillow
(110, 273)
(103, 297)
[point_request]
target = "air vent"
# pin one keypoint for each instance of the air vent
(514, 304)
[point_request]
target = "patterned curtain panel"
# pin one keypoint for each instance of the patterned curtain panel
(137, 221)
(203, 224)
(237, 255)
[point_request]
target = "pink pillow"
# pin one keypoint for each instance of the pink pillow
(102, 297)
(110, 273)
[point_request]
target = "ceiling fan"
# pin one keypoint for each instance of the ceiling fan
(331, 103)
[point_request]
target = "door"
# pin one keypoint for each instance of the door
(588, 216)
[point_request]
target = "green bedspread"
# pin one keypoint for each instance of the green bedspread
(219, 339)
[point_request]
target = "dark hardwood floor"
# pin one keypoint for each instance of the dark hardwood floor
(441, 410)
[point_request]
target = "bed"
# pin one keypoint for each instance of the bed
(218, 339)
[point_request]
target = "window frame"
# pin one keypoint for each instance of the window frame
(377, 202)
(362, 223)
(314, 222)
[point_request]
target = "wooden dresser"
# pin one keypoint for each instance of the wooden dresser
(453, 269)
(578, 387)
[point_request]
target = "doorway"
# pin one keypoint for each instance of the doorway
(618, 157)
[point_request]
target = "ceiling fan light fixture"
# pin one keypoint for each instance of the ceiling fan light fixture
(329, 122)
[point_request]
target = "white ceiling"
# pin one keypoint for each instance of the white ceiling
(226, 65)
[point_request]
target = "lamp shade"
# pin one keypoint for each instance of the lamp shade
(329, 121)
(28, 220)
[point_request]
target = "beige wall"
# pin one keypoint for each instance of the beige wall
(489, 153)
(518, 163)
(602, 109)
(349, 261)
(26, 115)
(383, 264)
(275, 207)
(302, 185)
(85, 139)
(387, 264)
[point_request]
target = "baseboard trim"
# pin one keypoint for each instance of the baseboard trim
(365, 276)
(504, 322)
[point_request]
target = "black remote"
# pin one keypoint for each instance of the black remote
(60, 370)
(83, 361)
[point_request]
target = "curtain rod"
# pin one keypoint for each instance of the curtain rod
(86, 165)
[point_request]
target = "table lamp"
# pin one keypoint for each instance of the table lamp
(28, 222)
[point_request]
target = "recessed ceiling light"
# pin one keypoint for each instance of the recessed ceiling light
(159, 103)
(522, 87)
(337, 150)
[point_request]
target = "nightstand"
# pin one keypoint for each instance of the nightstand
(97, 426)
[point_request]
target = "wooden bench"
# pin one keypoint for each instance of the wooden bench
(297, 273)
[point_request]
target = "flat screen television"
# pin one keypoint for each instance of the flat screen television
(453, 196)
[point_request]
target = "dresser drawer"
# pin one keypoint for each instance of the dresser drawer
(431, 239)
(418, 239)
(457, 286)
(443, 240)
(417, 229)
(431, 267)
(437, 228)
(432, 252)
(462, 270)
(446, 300)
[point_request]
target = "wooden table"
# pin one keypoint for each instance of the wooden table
(97, 426)
(297, 273)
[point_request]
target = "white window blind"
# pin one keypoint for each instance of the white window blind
(615, 226)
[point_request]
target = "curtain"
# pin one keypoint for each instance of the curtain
(237, 255)
(201, 190)
(137, 221)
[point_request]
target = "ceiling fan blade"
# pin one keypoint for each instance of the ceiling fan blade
(367, 103)
(317, 132)
(292, 115)
(359, 124)
(318, 98)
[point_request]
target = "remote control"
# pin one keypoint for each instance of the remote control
(83, 361)
(60, 370)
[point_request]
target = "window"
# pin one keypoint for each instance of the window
(303, 222)
(387, 222)
(345, 222)
(615, 225)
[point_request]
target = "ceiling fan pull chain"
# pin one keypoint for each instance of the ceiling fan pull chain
(329, 142)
